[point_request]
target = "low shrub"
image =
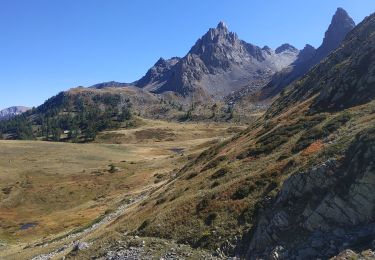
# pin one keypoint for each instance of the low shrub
(219, 173)
(335, 123)
(203, 204)
(242, 192)
(308, 138)
(210, 218)
(214, 163)
(215, 184)
(160, 201)
(191, 175)
(145, 224)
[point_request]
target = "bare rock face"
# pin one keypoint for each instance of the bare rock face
(324, 210)
(340, 26)
(12, 112)
(218, 64)
(350, 254)
(158, 74)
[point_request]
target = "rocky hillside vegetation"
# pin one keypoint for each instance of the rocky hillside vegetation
(297, 184)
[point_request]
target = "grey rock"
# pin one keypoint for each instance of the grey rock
(80, 246)
(11, 112)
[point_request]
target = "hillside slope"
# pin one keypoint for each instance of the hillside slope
(298, 183)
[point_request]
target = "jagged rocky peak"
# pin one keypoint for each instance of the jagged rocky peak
(218, 64)
(160, 62)
(306, 53)
(222, 26)
(286, 47)
(308, 48)
(219, 36)
(164, 63)
(308, 57)
(267, 50)
(340, 25)
(342, 18)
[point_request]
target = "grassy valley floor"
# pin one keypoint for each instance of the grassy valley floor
(49, 191)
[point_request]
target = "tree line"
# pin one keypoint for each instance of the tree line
(69, 117)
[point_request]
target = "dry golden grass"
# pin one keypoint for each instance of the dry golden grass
(63, 186)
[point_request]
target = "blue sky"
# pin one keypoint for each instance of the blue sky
(48, 46)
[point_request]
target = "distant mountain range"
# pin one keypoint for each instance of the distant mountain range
(10, 112)
(221, 66)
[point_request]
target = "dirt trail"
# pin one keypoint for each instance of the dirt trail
(75, 239)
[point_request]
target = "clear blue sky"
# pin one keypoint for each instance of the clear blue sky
(47, 46)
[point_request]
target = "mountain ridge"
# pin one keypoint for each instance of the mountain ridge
(220, 53)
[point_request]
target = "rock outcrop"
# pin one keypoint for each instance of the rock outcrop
(322, 211)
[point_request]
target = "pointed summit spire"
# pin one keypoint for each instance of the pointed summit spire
(341, 16)
(340, 25)
(222, 26)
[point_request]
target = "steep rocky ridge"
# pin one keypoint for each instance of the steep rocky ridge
(343, 80)
(340, 26)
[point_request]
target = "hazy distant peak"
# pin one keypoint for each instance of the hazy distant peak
(286, 47)
(12, 112)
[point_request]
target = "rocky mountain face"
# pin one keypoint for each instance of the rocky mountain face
(329, 207)
(216, 65)
(340, 26)
(157, 75)
(12, 112)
